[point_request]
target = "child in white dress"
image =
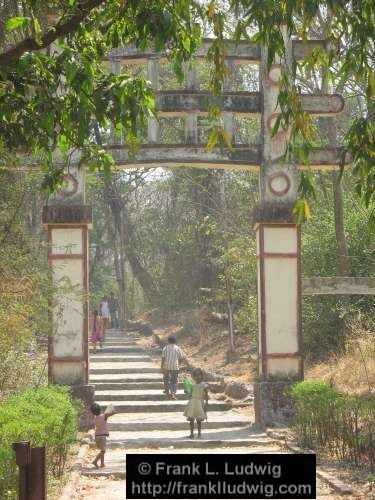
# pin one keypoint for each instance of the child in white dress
(197, 405)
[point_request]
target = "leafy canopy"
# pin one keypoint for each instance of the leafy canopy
(50, 98)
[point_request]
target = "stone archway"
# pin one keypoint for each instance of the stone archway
(278, 237)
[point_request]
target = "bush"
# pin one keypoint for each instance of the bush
(20, 371)
(46, 416)
(342, 424)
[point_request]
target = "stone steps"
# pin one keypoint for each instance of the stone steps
(102, 358)
(135, 395)
(102, 370)
(118, 350)
(186, 443)
(158, 406)
(174, 421)
(172, 426)
(143, 385)
(120, 338)
(217, 433)
(131, 349)
(103, 377)
(130, 386)
(219, 436)
(119, 343)
(123, 367)
(125, 376)
(122, 335)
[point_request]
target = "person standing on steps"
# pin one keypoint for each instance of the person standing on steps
(197, 406)
(171, 355)
(101, 431)
(96, 334)
(113, 310)
(105, 314)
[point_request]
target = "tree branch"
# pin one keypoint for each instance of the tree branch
(71, 25)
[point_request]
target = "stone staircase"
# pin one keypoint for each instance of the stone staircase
(127, 377)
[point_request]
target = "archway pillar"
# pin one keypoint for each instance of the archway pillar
(280, 357)
(67, 220)
(280, 345)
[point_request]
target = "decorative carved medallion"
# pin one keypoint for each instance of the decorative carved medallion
(279, 183)
(70, 186)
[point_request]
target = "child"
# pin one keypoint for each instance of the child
(101, 431)
(197, 405)
(105, 314)
(96, 331)
(171, 355)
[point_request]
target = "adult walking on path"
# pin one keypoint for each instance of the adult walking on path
(105, 314)
(171, 355)
(113, 310)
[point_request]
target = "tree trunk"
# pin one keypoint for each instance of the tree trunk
(120, 274)
(125, 231)
(329, 129)
(343, 264)
(231, 353)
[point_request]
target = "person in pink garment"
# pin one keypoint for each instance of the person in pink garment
(101, 432)
(96, 334)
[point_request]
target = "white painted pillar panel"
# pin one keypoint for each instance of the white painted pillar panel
(259, 311)
(281, 305)
(67, 373)
(66, 241)
(283, 367)
(68, 260)
(68, 316)
(279, 308)
(280, 240)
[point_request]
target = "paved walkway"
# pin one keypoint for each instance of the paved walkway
(147, 422)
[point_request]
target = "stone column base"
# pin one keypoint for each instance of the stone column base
(273, 405)
(86, 394)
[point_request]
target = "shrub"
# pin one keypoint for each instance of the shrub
(46, 416)
(342, 424)
(20, 371)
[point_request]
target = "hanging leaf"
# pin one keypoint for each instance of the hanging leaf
(37, 31)
(211, 10)
(16, 22)
(307, 211)
(213, 139)
(301, 210)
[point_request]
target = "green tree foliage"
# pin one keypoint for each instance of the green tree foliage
(25, 285)
(324, 314)
(48, 97)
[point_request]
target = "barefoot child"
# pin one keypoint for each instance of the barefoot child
(96, 331)
(197, 405)
(101, 431)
